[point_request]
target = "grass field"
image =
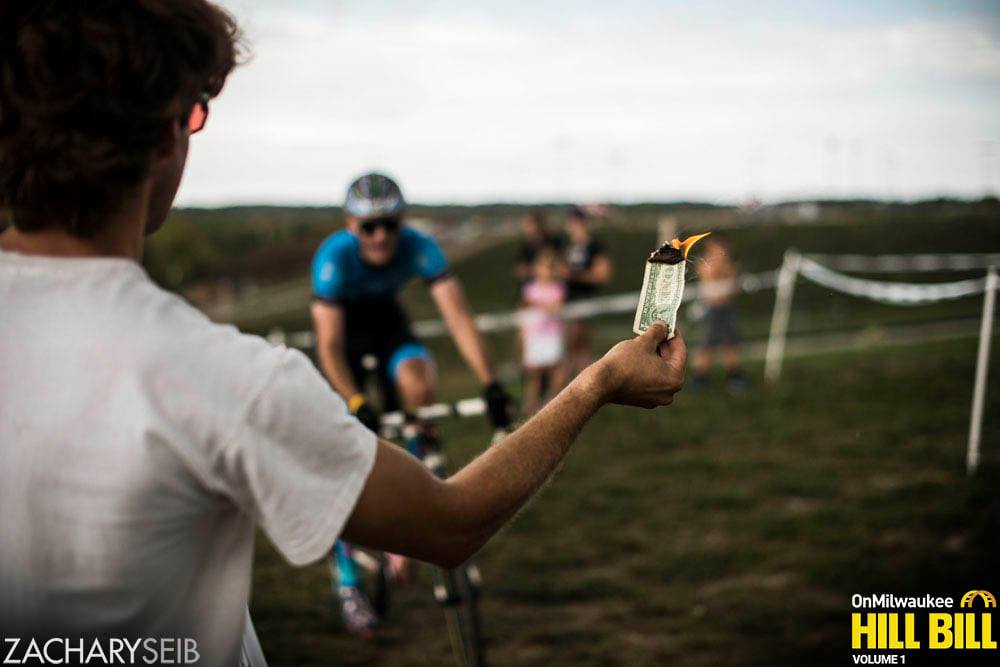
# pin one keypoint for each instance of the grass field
(724, 530)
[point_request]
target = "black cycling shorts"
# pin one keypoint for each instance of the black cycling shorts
(379, 328)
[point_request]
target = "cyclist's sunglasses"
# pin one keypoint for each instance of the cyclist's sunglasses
(390, 225)
(198, 116)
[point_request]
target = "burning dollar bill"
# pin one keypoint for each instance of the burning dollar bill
(663, 284)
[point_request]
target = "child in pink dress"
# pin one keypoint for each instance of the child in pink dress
(543, 331)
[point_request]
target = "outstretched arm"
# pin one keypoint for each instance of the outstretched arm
(404, 509)
(450, 300)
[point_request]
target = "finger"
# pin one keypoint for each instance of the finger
(654, 335)
(676, 350)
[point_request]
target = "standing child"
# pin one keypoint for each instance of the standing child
(718, 289)
(543, 330)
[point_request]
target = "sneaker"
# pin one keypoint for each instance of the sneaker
(420, 439)
(359, 618)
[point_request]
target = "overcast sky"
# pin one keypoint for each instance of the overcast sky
(594, 101)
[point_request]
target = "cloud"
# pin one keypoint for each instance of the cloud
(475, 104)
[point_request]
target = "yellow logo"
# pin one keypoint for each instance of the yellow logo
(970, 597)
(966, 628)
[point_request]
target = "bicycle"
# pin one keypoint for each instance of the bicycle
(457, 591)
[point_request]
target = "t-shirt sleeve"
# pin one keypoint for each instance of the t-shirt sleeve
(297, 461)
(428, 258)
(327, 274)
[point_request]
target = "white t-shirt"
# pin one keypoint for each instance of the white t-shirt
(139, 445)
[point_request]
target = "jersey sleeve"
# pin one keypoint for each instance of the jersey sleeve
(327, 273)
(429, 261)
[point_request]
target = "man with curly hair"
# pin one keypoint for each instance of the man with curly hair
(140, 444)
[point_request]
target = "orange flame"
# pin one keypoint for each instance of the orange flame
(687, 243)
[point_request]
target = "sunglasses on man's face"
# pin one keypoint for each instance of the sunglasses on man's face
(390, 225)
(199, 114)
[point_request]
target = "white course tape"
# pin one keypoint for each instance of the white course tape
(889, 292)
(470, 407)
(467, 407)
(908, 263)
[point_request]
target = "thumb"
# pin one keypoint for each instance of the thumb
(655, 334)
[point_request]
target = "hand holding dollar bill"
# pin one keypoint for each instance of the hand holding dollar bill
(663, 285)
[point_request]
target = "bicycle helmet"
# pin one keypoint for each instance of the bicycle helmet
(374, 195)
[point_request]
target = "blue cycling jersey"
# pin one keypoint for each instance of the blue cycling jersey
(339, 274)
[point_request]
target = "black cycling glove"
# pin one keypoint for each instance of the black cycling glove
(365, 413)
(499, 406)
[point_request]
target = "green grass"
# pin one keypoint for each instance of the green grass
(724, 530)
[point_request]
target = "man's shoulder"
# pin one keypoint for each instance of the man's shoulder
(423, 255)
(337, 246)
(165, 329)
(158, 311)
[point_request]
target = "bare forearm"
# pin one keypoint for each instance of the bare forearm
(451, 302)
(491, 489)
(328, 323)
(471, 345)
(406, 510)
(336, 370)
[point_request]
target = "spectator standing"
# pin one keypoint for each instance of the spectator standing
(543, 331)
(535, 238)
(589, 268)
(718, 287)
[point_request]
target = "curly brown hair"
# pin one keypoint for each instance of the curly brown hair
(86, 90)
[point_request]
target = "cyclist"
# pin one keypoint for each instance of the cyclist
(356, 275)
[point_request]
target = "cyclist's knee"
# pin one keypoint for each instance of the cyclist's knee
(415, 380)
